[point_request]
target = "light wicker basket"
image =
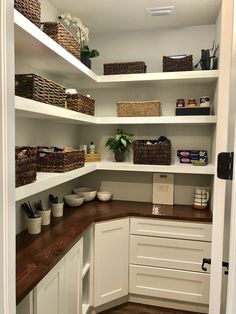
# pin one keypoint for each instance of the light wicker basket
(31, 9)
(35, 87)
(63, 37)
(138, 108)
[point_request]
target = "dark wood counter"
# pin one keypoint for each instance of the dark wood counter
(37, 254)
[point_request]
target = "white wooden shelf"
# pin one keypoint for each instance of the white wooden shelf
(28, 108)
(47, 180)
(85, 308)
(50, 58)
(85, 270)
(175, 168)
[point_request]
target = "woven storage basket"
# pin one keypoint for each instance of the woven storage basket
(25, 165)
(175, 65)
(31, 9)
(60, 161)
(152, 154)
(40, 89)
(138, 108)
(81, 104)
(63, 37)
(124, 68)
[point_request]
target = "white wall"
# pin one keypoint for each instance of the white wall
(150, 46)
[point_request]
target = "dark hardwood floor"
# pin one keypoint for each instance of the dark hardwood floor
(134, 308)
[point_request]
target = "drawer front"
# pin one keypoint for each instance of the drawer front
(168, 253)
(171, 229)
(169, 284)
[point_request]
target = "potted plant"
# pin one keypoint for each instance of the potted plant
(82, 33)
(119, 144)
(87, 54)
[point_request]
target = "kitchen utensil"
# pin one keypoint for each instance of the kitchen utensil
(53, 199)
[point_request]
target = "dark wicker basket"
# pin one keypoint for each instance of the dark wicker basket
(81, 104)
(176, 65)
(60, 161)
(25, 163)
(124, 68)
(138, 108)
(40, 89)
(31, 9)
(63, 37)
(152, 154)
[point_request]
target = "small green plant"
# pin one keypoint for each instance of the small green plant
(87, 53)
(121, 142)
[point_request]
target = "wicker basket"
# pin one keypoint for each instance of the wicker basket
(176, 65)
(31, 9)
(138, 108)
(25, 164)
(152, 154)
(63, 37)
(40, 89)
(124, 68)
(81, 104)
(59, 161)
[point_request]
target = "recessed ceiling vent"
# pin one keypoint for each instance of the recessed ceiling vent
(161, 11)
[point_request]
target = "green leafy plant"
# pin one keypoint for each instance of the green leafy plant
(87, 53)
(121, 142)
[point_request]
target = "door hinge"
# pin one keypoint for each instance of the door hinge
(208, 261)
(225, 166)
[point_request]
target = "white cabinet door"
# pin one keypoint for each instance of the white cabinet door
(26, 305)
(48, 294)
(111, 260)
(73, 279)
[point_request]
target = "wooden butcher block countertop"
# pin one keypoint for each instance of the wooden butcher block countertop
(37, 254)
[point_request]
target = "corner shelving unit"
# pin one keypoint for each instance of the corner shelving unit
(55, 60)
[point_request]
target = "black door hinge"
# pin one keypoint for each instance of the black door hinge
(225, 166)
(208, 261)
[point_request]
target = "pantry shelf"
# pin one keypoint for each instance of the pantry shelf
(50, 58)
(175, 168)
(28, 108)
(47, 180)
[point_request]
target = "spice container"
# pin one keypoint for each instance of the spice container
(205, 101)
(192, 102)
(180, 103)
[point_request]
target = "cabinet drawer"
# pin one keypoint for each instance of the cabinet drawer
(169, 253)
(169, 284)
(171, 229)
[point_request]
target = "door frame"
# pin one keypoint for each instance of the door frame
(7, 160)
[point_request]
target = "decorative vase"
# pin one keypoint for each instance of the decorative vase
(86, 61)
(119, 156)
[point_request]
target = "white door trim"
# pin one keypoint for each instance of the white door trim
(7, 159)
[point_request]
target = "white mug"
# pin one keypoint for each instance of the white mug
(201, 198)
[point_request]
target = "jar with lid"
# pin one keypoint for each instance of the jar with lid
(192, 102)
(180, 103)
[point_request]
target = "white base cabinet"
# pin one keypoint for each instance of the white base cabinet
(111, 260)
(60, 290)
(26, 306)
(166, 258)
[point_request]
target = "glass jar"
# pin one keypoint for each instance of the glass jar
(180, 103)
(192, 102)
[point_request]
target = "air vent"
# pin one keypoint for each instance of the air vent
(161, 11)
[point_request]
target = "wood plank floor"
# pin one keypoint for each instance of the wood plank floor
(134, 308)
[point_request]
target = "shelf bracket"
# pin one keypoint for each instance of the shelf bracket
(225, 165)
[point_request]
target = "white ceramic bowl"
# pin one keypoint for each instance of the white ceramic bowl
(74, 200)
(88, 193)
(104, 196)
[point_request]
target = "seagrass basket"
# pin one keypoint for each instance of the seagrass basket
(178, 64)
(25, 165)
(59, 161)
(63, 37)
(35, 87)
(138, 108)
(31, 9)
(124, 68)
(152, 154)
(81, 103)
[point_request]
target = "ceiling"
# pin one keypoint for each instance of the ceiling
(120, 15)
